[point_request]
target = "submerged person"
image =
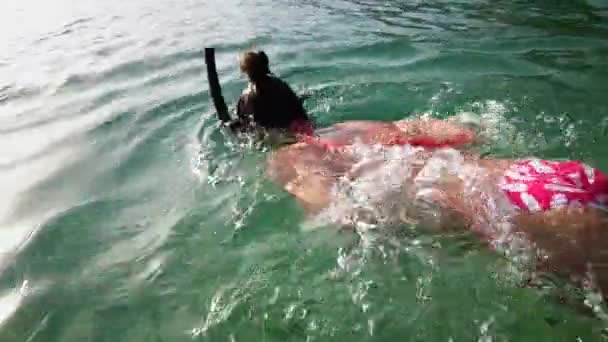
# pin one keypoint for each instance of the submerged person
(559, 207)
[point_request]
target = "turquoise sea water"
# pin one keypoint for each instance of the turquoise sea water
(127, 215)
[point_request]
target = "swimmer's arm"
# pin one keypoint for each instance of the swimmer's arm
(241, 123)
(311, 189)
(437, 130)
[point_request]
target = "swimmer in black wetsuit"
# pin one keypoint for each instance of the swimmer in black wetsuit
(268, 102)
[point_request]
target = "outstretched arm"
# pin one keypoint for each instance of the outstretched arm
(429, 133)
(308, 172)
(435, 133)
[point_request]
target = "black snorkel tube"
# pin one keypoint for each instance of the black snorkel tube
(214, 87)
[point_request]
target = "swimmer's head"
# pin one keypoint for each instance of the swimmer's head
(255, 64)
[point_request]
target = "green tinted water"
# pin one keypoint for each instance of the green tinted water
(126, 215)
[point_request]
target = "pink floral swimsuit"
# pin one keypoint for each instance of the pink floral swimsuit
(539, 185)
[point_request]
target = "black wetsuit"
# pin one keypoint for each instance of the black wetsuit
(270, 103)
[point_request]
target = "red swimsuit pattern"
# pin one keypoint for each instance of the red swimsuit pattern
(539, 185)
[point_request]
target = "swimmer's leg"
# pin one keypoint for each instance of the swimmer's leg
(575, 240)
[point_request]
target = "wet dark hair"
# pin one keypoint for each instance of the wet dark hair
(255, 64)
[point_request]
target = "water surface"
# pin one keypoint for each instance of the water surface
(127, 215)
